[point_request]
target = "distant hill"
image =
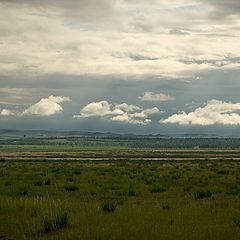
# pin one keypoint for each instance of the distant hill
(108, 139)
(55, 134)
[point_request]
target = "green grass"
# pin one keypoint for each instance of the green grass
(119, 199)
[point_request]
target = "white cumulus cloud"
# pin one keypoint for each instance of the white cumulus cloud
(214, 112)
(120, 112)
(47, 106)
(129, 119)
(6, 112)
(101, 108)
(156, 97)
(127, 108)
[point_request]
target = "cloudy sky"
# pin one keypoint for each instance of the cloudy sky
(140, 66)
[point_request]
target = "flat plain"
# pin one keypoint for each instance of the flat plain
(53, 191)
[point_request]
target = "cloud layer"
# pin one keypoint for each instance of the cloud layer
(126, 38)
(6, 112)
(215, 112)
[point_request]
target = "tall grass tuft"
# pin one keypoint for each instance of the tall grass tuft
(22, 191)
(77, 171)
(55, 221)
(166, 206)
(200, 194)
(47, 181)
(42, 182)
(108, 206)
(131, 190)
(157, 189)
(236, 221)
(71, 188)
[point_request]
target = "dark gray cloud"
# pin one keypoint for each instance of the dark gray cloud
(224, 7)
(95, 8)
(178, 32)
(134, 56)
(70, 4)
(139, 57)
(86, 9)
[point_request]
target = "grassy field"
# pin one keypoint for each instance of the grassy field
(65, 192)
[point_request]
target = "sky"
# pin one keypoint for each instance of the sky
(124, 66)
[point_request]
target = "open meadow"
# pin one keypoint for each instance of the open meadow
(119, 192)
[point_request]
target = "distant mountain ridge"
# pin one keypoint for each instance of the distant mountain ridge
(50, 133)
